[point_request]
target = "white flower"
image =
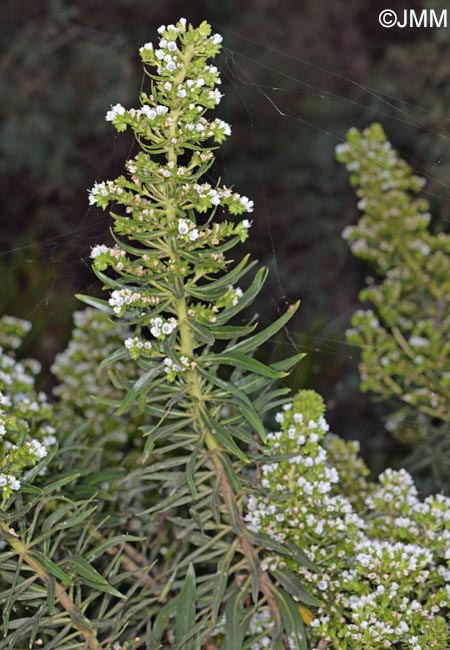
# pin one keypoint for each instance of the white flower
(181, 93)
(116, 110)
(194, 234)
(183, 228)
(172, 46)
(171, 66)
(238, 293)
(246, 203)
(15, 484)
(217, 39)
(342, 148)
(216, 95)
(146, 46)
(98, 189)
(224, 126)
(418, 342)
(245, 223)
(98, 250)
(149, 112)
(168, 328)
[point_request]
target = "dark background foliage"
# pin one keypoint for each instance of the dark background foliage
(297, 75)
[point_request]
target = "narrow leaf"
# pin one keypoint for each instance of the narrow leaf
(185, 612)
(255, 342)
(291, 618)
(234, 623)
(240, 360)
(291, 583)
(139, 388)
(52, 568)
(91, 576)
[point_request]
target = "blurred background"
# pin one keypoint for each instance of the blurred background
(296, 75)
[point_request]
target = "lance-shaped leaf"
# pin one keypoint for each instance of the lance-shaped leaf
(239, 360)
(185, 611)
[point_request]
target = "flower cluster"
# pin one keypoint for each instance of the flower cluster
(160, 327)
(25, 432)
(84, 392)
(404, 338)
(173, 367)
(383, 578)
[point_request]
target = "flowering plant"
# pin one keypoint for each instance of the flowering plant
(403, 338)
(201, 392)
(383, 559)
(166, 515)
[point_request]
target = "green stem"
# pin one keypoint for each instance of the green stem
(229, 497)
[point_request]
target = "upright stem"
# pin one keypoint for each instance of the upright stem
(195, 390)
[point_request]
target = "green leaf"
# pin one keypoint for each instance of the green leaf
(190, 467)
(91, 576)
(117, 355)
(245, 300)
(162, 618)
(232, 331)
(140, 387)
(245, 406)
(102, 305)
(76, 519)
(185, 612)
(244, 362)
(234, 621)
(231, 473)
(109, 543)
(220, 583)
(36, 625)
(52, 568)
(28, 488)
(51, 584)
(286, 549)
(160, 431)
(293, 585)
(291, 618)
(251, 384)
(223, 437)
(255, 342)
(202, 333)
(61, 482)
(217, 288)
